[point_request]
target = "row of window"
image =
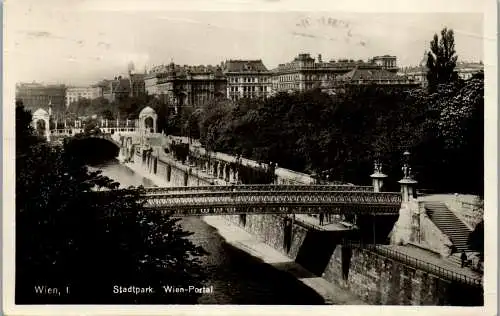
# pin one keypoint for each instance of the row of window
(236, 97)
(245, 89)
(296, 77)
(83, 95)
(284, 86)
(248, 80)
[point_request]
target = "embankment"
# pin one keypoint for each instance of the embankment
(342, 275)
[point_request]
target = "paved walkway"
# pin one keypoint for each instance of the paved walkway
(314, 223)
(429, 257)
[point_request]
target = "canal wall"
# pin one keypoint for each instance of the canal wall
(275, 230)
(380, 280)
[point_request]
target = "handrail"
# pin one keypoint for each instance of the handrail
(417, 263)
(261, 187)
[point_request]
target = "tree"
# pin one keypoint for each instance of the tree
(476, 238)
(107, 114)
(442, 59)
(25, 133)
(75, 229)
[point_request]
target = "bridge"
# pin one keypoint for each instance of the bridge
(42, 119)
(235, 199)
(269, 199)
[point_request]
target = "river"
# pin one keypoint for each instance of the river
(237, 277)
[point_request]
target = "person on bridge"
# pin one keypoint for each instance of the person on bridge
(321, 218)
(463, 258)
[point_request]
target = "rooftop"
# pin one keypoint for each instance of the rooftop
(244, 66)
(363, 73)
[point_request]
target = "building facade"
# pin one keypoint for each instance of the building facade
(186, 85)
(36, 95)
(247, 79)
(115, 89)
(465, 70)
(386, 62)
(373, 75)
(73, 94)
(305, 72)
(137, 86)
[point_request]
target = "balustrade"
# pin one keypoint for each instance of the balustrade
(261, 187)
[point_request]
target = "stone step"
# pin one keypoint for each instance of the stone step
(449, 224)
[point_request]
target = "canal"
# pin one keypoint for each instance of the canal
(237, 277)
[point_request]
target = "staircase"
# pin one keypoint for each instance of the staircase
(449, 224)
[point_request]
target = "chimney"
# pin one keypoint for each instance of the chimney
(319, 59)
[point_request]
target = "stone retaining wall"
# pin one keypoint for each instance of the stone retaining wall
(380, 280)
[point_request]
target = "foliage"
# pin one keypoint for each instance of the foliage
(442, 59)
(340, 136)
(86, 107)
(476, 238)
(251, 175)
(91, 127)
(69, 235)
(179, 150)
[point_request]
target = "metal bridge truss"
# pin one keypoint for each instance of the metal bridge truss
(274, 202)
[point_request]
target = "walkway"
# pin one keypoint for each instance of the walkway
(314, 223)
(428, 257)
(241, 239)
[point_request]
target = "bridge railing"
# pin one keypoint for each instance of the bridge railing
(326, 198)
(417, 263)
(261, 187)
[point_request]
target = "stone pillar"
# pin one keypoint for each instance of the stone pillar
(219, 170)
(404, 228)
(223, 171)
(408, 184)
(416, 235)
(378, 177)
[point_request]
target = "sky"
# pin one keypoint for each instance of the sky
(82, 41)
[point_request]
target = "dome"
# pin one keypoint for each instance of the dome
(40, 112)
(147, 111)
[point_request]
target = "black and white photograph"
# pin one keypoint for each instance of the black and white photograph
(250, 155)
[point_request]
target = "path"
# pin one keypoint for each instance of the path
(429, 257)
(241, 239)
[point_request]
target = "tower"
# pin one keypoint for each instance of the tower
(131, 68)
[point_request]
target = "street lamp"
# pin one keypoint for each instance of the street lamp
(407, 174)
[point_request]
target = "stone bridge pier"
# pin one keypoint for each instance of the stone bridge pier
(127, 148)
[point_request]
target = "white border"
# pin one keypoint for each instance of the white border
(490, 50)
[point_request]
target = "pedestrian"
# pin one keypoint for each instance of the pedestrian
(321, 217)
(463, 258)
